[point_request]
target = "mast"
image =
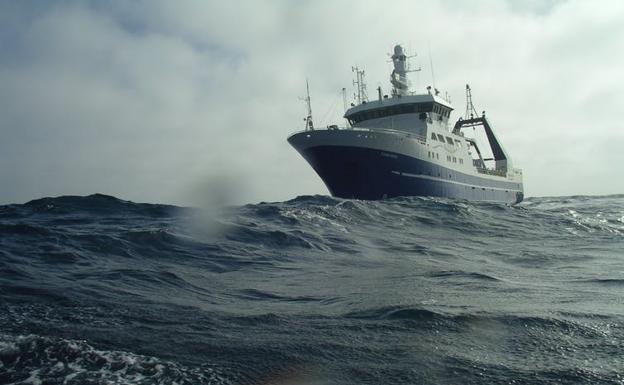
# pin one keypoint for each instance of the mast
(398, 78)
(471, 111)
(361, 95)
(308, 119)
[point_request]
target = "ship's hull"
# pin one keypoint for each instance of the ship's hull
(361, 172)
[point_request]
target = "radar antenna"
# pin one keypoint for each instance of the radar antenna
(471, 111)
(308, 119)
(398, 78)
(361, 95)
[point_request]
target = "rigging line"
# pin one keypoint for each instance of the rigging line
(331, 108)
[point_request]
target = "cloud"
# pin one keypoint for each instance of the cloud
(163, 101)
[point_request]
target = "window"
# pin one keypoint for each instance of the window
(407, 108)
(448, 157)
(449, 141)
(454, 160)
(441, 138)
(433, 136)
(425, 107)
(461, 161)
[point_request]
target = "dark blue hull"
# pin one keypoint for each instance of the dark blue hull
(362, 173)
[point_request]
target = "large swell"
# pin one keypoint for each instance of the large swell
(314, 290)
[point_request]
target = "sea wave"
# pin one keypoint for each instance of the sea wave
(316, 289)
(33, 359)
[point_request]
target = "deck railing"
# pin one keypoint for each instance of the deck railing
(420, 138)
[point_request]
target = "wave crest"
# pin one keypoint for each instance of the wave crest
(35, 359)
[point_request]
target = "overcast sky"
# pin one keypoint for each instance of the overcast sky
(190, 102)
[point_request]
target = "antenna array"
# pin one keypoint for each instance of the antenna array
(361, 95)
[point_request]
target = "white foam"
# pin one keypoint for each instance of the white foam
(42, 359)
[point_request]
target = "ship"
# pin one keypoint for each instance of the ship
(404, 145)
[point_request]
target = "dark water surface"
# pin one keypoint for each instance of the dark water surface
(316, 290)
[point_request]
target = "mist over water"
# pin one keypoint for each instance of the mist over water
(314, 290)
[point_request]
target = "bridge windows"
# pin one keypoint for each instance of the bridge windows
(441, 110)
(398, 109)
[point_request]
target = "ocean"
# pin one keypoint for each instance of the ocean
(314, 290)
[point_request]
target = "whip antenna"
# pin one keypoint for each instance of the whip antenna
(431, 66)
